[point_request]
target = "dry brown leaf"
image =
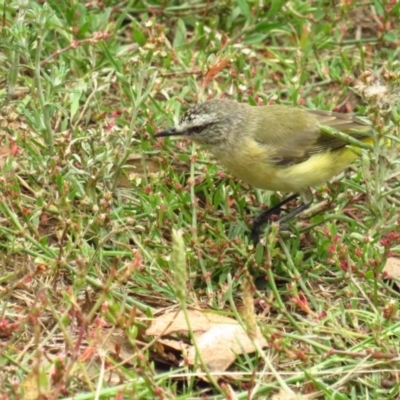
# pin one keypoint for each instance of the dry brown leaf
(282, 395)
(221, 343)
(139, 167)
(118, 344)
(143, 165)
(176, 322)
(31, 389)
(221, 338)
(392, 269)
(173, 344)
(218, 318)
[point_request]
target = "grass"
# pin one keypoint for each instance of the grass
(89, 199)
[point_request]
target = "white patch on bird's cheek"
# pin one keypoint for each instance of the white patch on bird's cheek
(181, 128)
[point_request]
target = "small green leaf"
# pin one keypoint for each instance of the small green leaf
(180, 34)
(244, 8)
(379, 8)
(254, 38)
(395, 9)
(266, 26)
(75, 102)
(139, 37)
(276, 6)
(390, 37)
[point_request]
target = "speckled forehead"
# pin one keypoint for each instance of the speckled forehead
(197, 116)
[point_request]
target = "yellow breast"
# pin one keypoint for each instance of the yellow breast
(252, 164)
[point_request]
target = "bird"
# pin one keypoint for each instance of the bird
(273, 147)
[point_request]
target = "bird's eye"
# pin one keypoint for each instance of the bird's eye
(196, 129)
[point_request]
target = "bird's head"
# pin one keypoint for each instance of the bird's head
(209, 123)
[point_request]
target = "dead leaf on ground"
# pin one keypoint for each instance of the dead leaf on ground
(31, 389)
(173, 344)
(392, 269)
(139, 166)
(220, 345)
(283, 395)
(176, 322)
(220, 339)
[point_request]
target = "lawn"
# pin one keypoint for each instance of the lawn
(126, 267)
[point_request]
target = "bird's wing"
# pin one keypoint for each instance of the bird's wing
(345, 123)
(299, 135)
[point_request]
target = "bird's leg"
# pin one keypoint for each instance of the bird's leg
(307, 198)
(293, 213)
(263, 218)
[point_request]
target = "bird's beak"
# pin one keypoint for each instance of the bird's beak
(168, 132)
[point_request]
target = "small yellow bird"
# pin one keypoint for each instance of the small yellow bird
(274, 147)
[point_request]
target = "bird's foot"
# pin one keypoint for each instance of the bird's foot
(265, 216)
